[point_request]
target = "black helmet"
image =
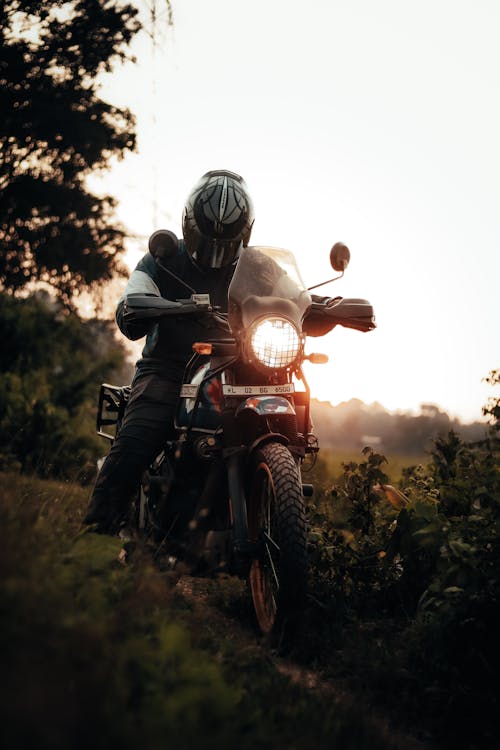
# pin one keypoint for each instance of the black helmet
(217, 219)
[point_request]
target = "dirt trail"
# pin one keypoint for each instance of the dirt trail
(199, 593)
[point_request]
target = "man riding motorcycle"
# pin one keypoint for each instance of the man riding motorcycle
(217, 223)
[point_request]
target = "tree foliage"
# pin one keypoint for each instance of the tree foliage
(54, 131)
(492, 408)
(51, 365)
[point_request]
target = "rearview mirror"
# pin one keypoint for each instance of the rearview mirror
(339, 257)
(163, 244)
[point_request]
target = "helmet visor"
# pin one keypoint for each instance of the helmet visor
(216, 253)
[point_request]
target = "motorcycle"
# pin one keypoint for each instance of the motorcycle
(228, 492)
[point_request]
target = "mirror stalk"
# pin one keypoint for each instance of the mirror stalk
(335, 278)
(174, 276)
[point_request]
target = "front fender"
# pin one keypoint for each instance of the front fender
(266, 405)
(269, 437)
(261, 419)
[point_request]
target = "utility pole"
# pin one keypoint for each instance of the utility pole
(159, 17)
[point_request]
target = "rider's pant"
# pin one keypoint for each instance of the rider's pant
(147, 424)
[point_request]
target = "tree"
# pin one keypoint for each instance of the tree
(54, 131)
(51, 365)
(492, 407)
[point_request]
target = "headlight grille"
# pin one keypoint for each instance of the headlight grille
(275, 343)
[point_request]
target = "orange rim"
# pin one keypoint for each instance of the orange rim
(263, 577)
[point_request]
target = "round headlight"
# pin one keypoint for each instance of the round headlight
(275, 343)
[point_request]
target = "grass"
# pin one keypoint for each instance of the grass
(92, 655)
(98, 654)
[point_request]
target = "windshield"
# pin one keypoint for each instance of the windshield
(266, 281)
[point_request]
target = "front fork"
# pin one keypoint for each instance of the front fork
(236, 454)
(242, 547)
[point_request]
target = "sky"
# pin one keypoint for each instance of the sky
(373, 123)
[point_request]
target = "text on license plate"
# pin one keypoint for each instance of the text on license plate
(257, 390)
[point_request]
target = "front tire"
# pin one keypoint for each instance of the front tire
(276, 522)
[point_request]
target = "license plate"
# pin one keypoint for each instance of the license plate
(189, 391)
(257, 390)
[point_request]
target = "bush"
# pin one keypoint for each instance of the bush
(51, 364)
(453, 643)
(434, 567)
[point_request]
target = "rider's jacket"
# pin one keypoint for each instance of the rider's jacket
(169, 342)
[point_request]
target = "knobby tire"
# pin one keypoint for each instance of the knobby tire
(276, 519)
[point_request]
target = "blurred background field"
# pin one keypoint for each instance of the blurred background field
(329, 466)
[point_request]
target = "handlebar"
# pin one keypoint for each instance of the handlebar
(347, 312)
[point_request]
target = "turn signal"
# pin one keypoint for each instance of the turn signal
(201, 348)
(317, 359)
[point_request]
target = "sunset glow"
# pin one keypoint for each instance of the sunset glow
(373, 124)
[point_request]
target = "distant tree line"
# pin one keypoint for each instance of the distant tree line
(353, 425)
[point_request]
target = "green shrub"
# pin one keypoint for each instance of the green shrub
(433, 567)
(349, 536)
(454, 559)
(51, 364)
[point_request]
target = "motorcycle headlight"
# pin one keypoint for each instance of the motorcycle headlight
(275, 343)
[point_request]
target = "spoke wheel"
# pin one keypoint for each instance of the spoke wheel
(276, 521)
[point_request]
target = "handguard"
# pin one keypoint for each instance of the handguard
(137, 313)
(140, 307)
(347, 312)
(352, 313)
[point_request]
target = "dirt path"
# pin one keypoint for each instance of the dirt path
(210, 617)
